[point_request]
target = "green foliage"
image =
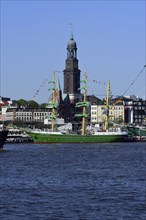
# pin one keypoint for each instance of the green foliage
(32, 104)
(43, 105)
(22, 103)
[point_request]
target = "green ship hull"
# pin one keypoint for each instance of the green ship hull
(73, 138)
(137, 132)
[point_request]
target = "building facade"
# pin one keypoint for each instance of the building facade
(27, 114)
(116, 113)
(135, 111)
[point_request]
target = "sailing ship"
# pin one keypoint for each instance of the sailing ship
(104, 136)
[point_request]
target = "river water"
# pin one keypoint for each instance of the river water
(73, 181)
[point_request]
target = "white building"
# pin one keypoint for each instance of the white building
(116, 113)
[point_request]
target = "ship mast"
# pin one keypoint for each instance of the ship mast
(83, 104)
(107, 106)
(53, 104)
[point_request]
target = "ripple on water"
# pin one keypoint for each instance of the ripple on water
(56, 182)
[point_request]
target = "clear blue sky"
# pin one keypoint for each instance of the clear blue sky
(110, 37)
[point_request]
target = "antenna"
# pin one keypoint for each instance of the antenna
(71, 28)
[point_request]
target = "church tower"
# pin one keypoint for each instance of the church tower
(71, 72)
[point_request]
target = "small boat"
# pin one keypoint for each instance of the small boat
(53, 136)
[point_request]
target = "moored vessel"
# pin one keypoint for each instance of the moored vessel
(101, 137)
(17, 136)
(3, 136)
(137, 132)
(104, 136)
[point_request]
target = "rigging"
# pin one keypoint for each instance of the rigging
(134, 80)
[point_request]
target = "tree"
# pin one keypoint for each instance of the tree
(32, 104)
(22, 103)
(43, 105)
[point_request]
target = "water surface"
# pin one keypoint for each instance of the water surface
(73, 181)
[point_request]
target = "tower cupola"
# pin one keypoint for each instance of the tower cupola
(71, 48)
(71, 44)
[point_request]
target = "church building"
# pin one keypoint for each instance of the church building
(72, 72)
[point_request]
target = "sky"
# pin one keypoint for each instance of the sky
(110, 37)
